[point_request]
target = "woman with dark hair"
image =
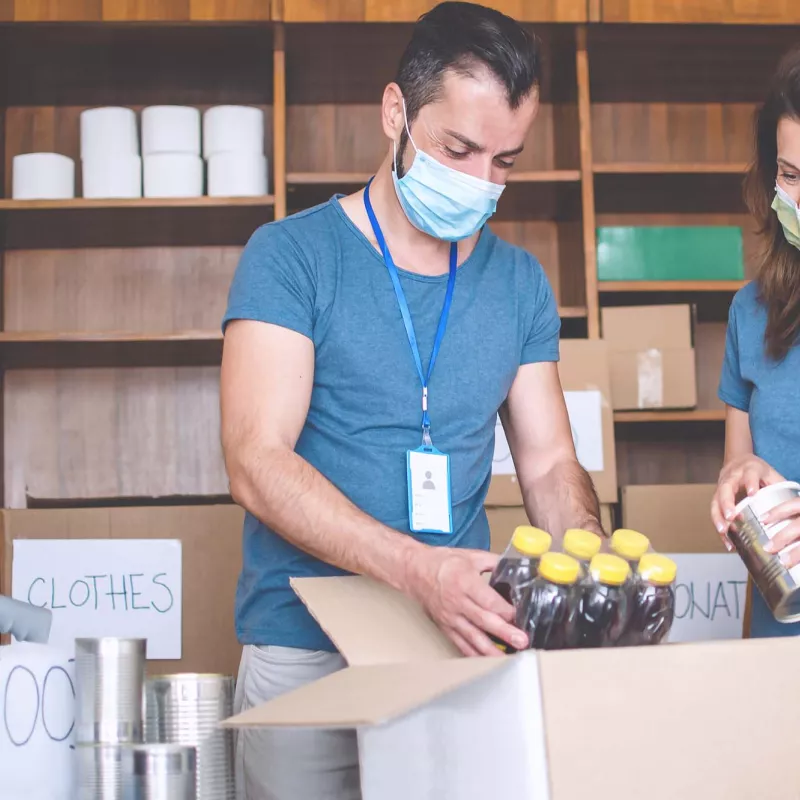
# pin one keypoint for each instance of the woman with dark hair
(760, 381)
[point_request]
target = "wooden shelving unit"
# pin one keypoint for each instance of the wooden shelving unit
(111, 309)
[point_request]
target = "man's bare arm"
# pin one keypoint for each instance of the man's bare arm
(266, 383)
(557, 491)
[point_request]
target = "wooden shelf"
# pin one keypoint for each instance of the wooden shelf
(546, 176)
(347, 178)
(670, 286)
(669, 168)
(572, 312)
(693, 415)
(52, 349)
(80, 203)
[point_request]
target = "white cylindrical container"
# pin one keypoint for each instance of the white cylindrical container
(42, 176)
(170, 129)
(233, 129)
(237, 175)
(173, 175)
(108, 130)
(109, 678)
(116, 176)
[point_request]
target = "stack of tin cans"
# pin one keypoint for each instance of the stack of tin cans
(114, 763)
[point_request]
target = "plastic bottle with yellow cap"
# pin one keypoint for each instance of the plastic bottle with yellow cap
(513, 577)
(552, 616)
(630, 545)
(653, 602)
(582, 545)
(604, 606)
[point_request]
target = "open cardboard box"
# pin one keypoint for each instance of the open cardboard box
(713, 721)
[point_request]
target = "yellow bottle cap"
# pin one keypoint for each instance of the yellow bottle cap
(531, 541)
(609, 569)
(559, 568)
(581, 544)
(631, 545)
(658, 569)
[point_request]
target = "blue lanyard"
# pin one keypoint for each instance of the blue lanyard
(404, 311)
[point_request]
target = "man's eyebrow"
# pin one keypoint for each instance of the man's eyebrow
(788, 164)
(476, 148)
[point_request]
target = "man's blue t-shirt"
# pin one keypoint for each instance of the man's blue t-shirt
(768, 391)
(317, 274)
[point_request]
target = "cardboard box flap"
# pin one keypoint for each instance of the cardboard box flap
(371, 623)
(367, 695)
(673, 721)
(628, 328)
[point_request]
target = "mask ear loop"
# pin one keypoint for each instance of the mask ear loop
(408, 132)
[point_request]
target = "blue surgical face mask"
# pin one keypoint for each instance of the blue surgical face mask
(788, 215)
(441, 201)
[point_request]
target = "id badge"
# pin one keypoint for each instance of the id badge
(429, 508)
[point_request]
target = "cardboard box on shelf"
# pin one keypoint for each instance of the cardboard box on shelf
(584, 373)
(542, 725)
(651, 355)
(211, 555)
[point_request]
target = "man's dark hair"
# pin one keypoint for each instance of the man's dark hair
(460, 37)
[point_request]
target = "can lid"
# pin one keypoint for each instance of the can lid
(531, 541)
(559, 568)
(658, 569)
(581, 544)
(629, 544)
(609, 569)
(763, 494)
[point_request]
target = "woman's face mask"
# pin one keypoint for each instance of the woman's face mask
(788, 215)
(441, 201)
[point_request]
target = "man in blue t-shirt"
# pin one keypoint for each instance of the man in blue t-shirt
(370, 343)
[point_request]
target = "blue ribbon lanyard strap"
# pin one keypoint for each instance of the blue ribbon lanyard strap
(406, 314)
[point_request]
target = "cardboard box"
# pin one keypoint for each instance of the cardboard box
(611, 724)
(651, 355)
(664, 253)
(584, 370)
(212, 559)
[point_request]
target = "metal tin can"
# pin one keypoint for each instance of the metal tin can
(158, 772)
(780, 587)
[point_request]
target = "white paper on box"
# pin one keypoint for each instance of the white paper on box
(117, 176)
(37, 687)
(233, 129)
(171, 129)
(104, 587)
(42, 176)
(710, 594)
(237, 175)
(107, 131)
(173, 175)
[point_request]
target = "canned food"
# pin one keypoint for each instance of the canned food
(780, 587)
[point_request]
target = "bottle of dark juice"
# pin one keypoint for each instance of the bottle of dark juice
(604, 606)
(513, 577)
(582, 546)
(653, 605)
(630, 545)
(551, 622)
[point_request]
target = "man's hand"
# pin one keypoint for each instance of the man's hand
(748, 473)
(790, 535)
(449, 585)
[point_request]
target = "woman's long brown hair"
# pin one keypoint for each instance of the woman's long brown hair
(779, 272)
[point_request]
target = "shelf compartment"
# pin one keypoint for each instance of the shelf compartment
(669, 168)
(693, 415)
(670, 286)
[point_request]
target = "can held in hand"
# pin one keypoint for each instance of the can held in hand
(780, 587)
(109, 677)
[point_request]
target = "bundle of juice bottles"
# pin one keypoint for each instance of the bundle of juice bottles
(594, 593)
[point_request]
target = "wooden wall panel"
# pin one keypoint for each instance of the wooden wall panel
(147, 290)
(146, 10)
(709, 345)
(672, 133)
(750, 12)
(58, 11)
(230, 10)
(135, 10)
(97, 433)
(410, 10)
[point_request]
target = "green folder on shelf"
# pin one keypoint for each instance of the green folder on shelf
(681, 253)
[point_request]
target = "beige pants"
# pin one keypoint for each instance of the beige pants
(286, 764)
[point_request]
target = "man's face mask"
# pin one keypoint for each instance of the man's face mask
(441, 201)
(788, 215)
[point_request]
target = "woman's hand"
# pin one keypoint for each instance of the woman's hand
(790, 510)
(748, 473)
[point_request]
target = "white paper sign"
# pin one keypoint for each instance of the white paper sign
(585, 419)
(37, 731)
(104, 587)
(710, 596)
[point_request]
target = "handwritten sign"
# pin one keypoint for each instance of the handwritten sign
(104, 587)
(585, 419)
(710, 596)
(37, 731)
